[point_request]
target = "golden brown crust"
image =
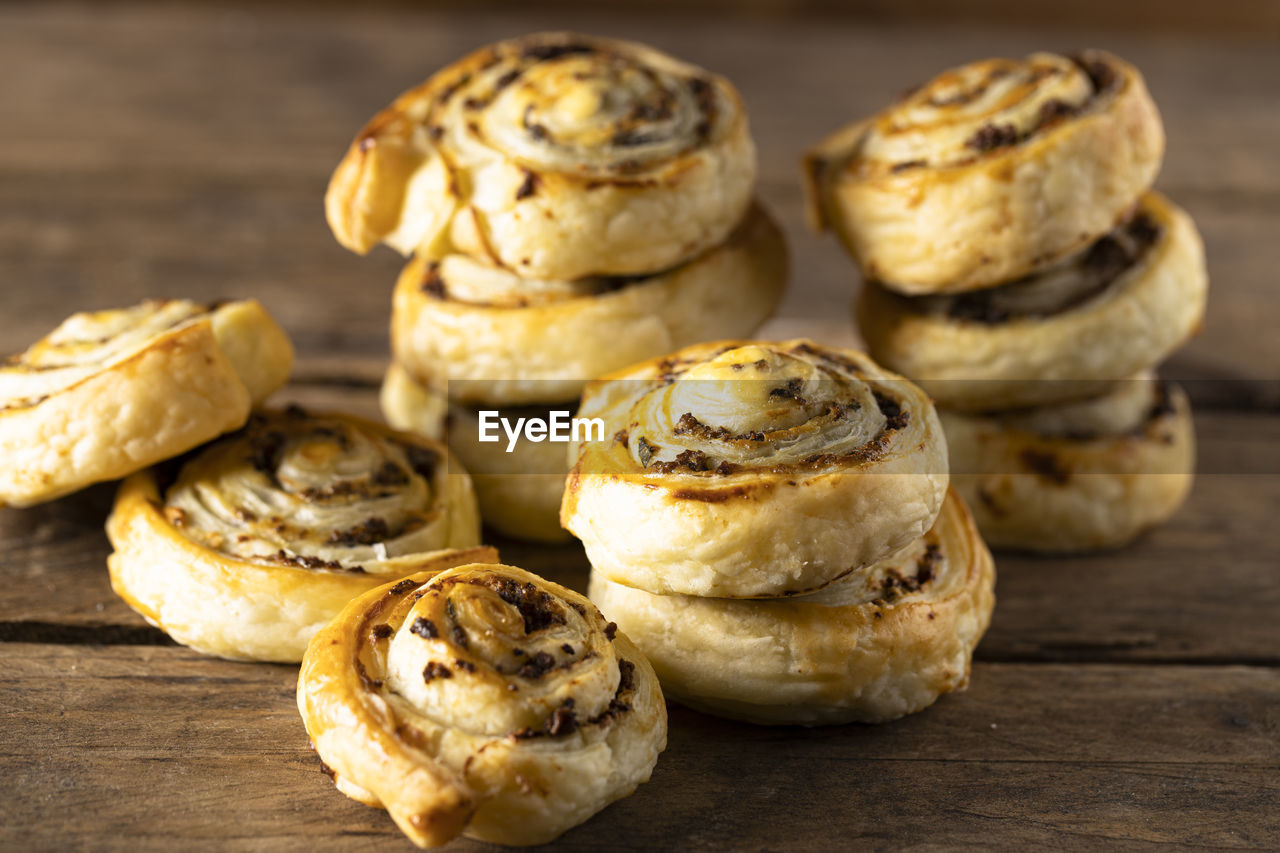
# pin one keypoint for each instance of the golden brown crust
(989, 172)
(109, 392)
(259, 539)
(413, 407)
(732, 469)
(1082, 477)
(1070, 332)
(553, 155)
(540, 342)
(519, 492)
(868, 649)
(484, 701)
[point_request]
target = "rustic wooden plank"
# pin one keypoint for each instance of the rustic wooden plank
(76, 245)
(301, 85)
(206, 180)
(1252, 17)
(137, 748)
(103, 243)
(1165, 598)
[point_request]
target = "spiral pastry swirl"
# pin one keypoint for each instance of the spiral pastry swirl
(107, 393)
(782, 442)
(1080, 476)
(1069, 332)
(483, 700)
(867, 648)
(556, 156)
(282, 523)
(480, 334)
(990, 171)
(962, 111)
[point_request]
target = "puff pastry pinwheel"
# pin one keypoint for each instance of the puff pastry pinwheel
(1071, 331)
(482, 334)
(868, 648)
(743, 469)
(1076, 477)
(518, 492)
(247, 547)
(109, 392)
(555, 156)
(990, 171)
(484, 701)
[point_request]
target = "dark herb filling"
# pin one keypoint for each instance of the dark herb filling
(564, 720)
(537, 608)
(1104, 263)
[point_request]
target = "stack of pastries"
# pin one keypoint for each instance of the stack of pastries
(572, 205)
(239, 530)
(771, 524)
(462, 695)
(1019, 266)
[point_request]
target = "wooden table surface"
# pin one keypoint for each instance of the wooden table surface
(1131, 698)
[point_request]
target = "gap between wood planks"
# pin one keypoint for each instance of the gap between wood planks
(54, 634)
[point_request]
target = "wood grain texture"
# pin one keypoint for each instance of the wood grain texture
(205, 180)
(1127, 699)
(1165, 598)
(151, 748)
(1248, 17)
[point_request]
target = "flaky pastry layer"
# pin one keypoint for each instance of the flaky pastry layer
(519, 492)
(553, 156)
(869, 648)
(482, 701)
(753, 469)
(247, 547)
(109, 392)
(508, 342)
(1119, 307)
(1071, 478)
(989, 172)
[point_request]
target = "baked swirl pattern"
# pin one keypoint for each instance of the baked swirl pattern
(990, 171)
(1071, 331)
(1079, 476)
(483, 700)
(250, 545)
(556, 156)
(480, 333)
(573, 205)
(976, 108)
(868, 648)
(785, 442)
(110, 392)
